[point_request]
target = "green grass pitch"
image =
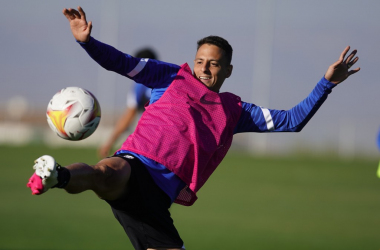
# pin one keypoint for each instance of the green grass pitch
(294, 202)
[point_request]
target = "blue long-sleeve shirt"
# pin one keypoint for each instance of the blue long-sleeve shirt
(158, 75)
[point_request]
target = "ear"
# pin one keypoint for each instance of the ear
(229, 70)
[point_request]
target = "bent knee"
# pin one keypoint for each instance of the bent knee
(111, 177)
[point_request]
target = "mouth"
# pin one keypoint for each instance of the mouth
(204, 79)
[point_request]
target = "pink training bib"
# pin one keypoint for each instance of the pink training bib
(188, 130)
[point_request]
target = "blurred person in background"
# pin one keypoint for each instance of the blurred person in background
(136, 101)
(378, 146)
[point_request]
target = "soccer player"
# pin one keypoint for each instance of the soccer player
(378, 146)
(181, 138)
(136, 100)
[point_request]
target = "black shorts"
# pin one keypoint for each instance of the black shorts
(144, 211)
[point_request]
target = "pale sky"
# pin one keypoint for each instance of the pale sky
(39, 56)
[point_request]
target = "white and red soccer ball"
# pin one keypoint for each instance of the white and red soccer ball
(73, 113)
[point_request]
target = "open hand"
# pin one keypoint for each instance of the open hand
(78, 24)
(339, 71)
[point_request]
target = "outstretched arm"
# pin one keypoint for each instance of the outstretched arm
(78, 24)
(151, 73)
(258, 119)
(339, 71)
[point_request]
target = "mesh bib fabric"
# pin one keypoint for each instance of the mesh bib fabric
(189, 130)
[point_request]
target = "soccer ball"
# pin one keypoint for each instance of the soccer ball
(73, 113)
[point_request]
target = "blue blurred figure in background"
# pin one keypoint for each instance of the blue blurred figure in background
(136, 101)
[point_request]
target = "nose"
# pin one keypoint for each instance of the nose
(206, 67)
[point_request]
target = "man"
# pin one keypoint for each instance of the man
(378, 146)
(180, 139)
(136, 100)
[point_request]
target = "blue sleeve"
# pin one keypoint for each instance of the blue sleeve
(156, 94)
(259, 119)
(152, 73)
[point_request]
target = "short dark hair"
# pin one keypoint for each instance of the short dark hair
(146, 53)
(220, 42)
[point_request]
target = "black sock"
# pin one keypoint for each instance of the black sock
(63, 177)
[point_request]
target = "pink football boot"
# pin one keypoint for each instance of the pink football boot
(45, 176)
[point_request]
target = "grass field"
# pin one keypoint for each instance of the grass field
(295, 202)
